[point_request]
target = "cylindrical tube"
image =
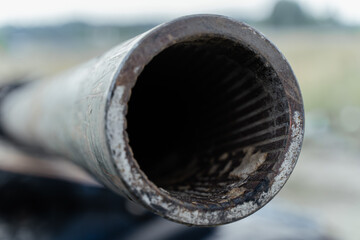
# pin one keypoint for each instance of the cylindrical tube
(208, 107)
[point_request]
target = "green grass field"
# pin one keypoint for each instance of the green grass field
(327, 65)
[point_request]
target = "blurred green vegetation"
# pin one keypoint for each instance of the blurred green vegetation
(327, 65)
(291, 14)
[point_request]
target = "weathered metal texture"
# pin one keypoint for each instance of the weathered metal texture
(228, 114)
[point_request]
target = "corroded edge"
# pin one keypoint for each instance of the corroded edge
(139, 188)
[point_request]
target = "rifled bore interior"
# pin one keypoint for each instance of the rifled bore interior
(207, 120)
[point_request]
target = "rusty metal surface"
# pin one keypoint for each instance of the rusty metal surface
(236, 134)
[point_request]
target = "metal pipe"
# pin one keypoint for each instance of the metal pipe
(199, 120)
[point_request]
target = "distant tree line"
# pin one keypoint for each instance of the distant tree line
(291, 13)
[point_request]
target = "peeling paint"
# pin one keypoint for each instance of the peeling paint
(141, 188)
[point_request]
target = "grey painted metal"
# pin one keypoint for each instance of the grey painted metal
(81, 115)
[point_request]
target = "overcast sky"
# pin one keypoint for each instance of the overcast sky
(38, 12)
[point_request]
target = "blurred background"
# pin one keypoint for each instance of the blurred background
(320, 39)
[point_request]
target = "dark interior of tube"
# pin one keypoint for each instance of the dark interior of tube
(207, 120)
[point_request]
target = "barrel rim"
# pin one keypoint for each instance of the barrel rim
(150, 44)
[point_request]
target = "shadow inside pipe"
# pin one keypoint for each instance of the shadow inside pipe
(207, 120)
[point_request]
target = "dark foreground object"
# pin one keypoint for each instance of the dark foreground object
(34, 208)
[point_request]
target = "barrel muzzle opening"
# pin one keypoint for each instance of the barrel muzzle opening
(208, 122)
